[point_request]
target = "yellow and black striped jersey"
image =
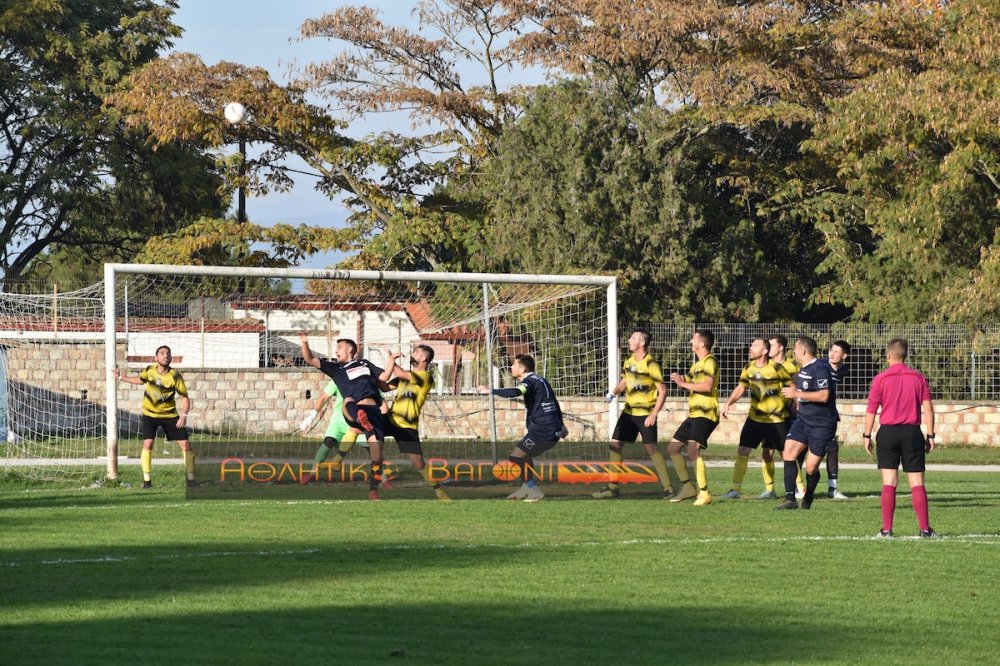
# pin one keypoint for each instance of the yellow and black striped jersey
(410, 398)
(159, 396)
(704, 405)
(792, 367)
(767, 405)
(641, 378)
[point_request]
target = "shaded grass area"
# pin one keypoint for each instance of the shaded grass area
(114, 574)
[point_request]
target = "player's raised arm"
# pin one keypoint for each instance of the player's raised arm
(307, 354)
(394, 368)
(118, 374)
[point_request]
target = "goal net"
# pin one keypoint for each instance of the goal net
(234, 336)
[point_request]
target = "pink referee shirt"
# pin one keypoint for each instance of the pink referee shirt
(900, 391)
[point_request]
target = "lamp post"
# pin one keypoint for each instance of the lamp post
(235, 114)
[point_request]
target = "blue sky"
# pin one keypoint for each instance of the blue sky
(261, 33)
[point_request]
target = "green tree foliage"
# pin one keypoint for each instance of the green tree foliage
(911, 218)
(584, 182)
(74, 181)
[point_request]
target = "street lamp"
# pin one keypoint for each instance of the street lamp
(235, 114)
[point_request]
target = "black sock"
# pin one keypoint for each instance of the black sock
(791, 476)
(812, 480)
(525, 465)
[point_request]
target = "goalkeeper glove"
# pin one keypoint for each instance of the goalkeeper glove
(610, 397)
(308, 421)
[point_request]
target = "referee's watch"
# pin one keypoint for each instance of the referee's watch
(867, 435)
(930, 436)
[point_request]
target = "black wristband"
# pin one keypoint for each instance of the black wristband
(866, 436)
(930, 436)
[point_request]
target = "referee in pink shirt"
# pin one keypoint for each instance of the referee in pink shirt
(905, 397)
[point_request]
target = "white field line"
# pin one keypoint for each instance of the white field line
(980, 539)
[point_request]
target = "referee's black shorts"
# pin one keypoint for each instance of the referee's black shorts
(901, 443)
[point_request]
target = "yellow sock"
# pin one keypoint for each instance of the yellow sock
(739, 471)
(800, 480)
(767, 471)
(147, 464)
(189, 463)
(426, 473)
(680, 466)
(346, 444)
(701, 473)
(616, 458)
(660, 464)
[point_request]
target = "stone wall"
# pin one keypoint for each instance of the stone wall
(60, 388)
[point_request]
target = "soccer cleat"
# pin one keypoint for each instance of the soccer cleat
(732, 494)
(884, 534)
(191, 483)
(534, 495)
(442, 495)
(607, 492)
(787, 504)
(668, 493)
(146, 485)
(306, 478)
(807, 503)
(704, 498)
(365, 422)
(767, 494)
(387, 484)
(929, 534)
(800, 493)
(837, 495)
(519, 494)
(687, 492)
(373, 495)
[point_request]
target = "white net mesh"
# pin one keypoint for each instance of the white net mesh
(235, 341)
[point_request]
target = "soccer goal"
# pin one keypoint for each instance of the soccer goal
(234, 336)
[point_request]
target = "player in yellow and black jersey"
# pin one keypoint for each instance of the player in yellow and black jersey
(164, 388)
(412, 388)
(644, 389)
(766, 421)
(779, 345)
(702, 380)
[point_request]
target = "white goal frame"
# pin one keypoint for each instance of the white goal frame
(112, 271)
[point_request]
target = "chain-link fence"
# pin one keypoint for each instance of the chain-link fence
(961, 362)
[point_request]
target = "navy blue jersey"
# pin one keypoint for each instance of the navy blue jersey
(838, 374)
(817, 376)
(543, 413)
(356, 379)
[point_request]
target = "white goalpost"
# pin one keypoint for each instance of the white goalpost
(234, 336)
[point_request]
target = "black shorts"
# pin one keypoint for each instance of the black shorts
(630, 426)
(374, 415)
(771, 434)
(896, 443)
(407, 439)
(537, 443)
(817, 437)
(148, 425)
(696, 429)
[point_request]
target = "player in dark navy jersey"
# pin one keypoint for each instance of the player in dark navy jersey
(543, 421)
(358, 381)
(837, 360)
(815, 424)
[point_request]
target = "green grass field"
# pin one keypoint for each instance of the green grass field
(122, 575)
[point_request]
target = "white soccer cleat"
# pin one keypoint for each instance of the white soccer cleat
(534, 495)
(519, 494)
(768, 494)
(837, 495)
(799, 494)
